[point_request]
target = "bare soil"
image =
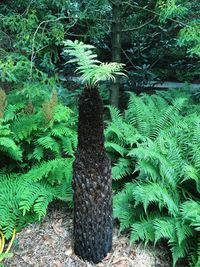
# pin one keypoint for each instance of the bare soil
(49, 244)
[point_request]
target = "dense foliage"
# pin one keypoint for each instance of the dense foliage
(37, 141)
(156, 140)
(153, 145)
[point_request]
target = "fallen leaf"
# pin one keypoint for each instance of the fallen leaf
(58, 229)
(69, 251)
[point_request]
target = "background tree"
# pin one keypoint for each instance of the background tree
(32, 33)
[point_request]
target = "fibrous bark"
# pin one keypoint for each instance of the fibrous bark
(92, 183)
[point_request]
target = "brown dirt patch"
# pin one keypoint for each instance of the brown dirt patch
(49, 244)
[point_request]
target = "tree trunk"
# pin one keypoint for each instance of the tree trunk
(92, 184)
(116, 48)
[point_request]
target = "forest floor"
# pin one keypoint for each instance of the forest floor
(49, 244)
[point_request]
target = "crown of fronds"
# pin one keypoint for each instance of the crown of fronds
(91, 69)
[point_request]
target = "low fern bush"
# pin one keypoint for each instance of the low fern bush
(37, 142)
(156, 141)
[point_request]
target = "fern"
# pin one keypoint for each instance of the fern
(8, 146)
(142, 230)
(39, 169)
(92, 70)
(162, 201)
(148, 193)
(121, 169)
(23, 126)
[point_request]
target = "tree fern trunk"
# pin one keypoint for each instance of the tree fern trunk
(92, 182)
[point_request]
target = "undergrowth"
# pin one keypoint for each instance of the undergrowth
(154, 148)
(37, 142)
(156, 142)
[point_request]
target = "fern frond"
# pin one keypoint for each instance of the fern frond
(115, 147)
(137, 115)
(121, 168)
(48, 142)
(91, 69)
(37, 154)
(147, 193)
(178, 252)
(36, 196)
(191, 212)
(164, 228)
(62, 113)
(11, 111)
(9, 146)
(124, 205)
(51, 167)
(143, 230)
(23, 126)
(166, 119)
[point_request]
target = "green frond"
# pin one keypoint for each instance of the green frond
(7, 145)
(191, 212)
(37, 154)
(102, 72)
(148, 169)
(62, 113)
(143, 230)
(124, 207)
(48, 142)
(11, 110)
(115, 114)
(121, 169)
(92, 70)
(111, 146)
(36, 196)
(178, 252)
(5, 130)
(150, 192)
(191, 173)
(137, 114)
(69, 145)
(164, 228)
(23, 126)
(167, 118)
(194, 256)
(51, 169)
(10, 186)
(183, 230)
(60, 130)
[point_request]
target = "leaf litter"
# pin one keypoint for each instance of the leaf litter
(49, 244)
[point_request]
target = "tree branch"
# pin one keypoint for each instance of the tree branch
(154, 12)
(139, 27)
(34, 36)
